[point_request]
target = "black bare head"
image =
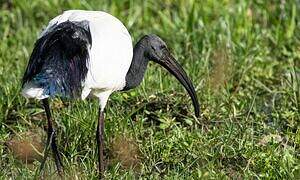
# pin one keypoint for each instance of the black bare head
(157, 51)
(153, 48)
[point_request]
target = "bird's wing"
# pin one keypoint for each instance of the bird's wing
(58, 63)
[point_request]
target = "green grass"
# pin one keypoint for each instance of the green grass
(243, 57)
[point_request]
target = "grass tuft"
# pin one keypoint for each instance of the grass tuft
(125, 150)
(27, 146)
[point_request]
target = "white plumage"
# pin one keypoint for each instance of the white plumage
(110, 54)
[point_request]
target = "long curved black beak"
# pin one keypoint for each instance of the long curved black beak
(174, 68)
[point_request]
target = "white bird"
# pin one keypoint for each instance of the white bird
(89, 53)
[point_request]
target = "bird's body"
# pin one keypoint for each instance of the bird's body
(82, 53)
(106, 69)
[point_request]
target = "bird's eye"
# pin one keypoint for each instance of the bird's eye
(162, 47)
(153, 48)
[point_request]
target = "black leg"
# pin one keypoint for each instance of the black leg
(100, 141)
(51, 140)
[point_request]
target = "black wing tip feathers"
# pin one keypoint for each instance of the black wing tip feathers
(58, 62)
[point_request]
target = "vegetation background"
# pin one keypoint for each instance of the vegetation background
(243, 57)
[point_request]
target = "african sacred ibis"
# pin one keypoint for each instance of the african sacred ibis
(90, 53)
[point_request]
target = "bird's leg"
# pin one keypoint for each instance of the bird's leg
(51, 140)
(100, 141)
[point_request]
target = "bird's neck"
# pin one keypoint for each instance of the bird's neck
(138, 66)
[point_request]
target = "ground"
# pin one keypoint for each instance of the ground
(243, 57)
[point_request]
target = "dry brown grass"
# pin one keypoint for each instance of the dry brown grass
(125, 150)
(27, 146)
(220, 68)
